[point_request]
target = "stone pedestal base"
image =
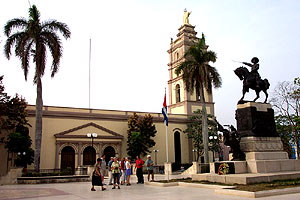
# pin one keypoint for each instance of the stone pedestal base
(269, 166)
(280, 155)
(261, 144)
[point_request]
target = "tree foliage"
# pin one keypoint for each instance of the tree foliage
(285, 132)
(140, 135)
(194, 132)
(199, 75)
(13, 118)
(286, 102)
(31, 39)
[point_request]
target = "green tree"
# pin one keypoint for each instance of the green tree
(31, 38)
(136, 145)
(286, 102)
(20, 142)
(198, 75)
(13, 115)
(140, 135)
(133, 126)
(148, 132)
(285, 132)
(4, 98)
(194, 132)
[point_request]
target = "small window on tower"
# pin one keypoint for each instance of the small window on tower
(177, 56)
(178, 93)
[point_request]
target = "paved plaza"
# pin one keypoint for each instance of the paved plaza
(81, 190)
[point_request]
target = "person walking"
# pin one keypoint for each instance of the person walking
(123, 171)
(149, 164)
(115, 167)
(96, 177)
(103, 167)
(128, 171)
(139, 169)
(110, 176)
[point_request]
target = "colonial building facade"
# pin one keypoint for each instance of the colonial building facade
(65, 142)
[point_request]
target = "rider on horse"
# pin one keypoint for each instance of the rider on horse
(254, 70)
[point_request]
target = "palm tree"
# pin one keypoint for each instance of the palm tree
(32, 38)
(198, 75)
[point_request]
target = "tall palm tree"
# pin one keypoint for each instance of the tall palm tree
(198, 76)
(32, 38)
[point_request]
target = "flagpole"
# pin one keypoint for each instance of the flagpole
(167, 144)
(167, 149)
(167, 152)
(90, 74)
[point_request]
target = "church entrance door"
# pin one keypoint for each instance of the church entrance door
(67, 158)
(109, 152)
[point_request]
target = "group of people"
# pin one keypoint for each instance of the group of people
(119, 171)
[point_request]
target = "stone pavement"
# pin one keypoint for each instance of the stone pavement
(81, 190)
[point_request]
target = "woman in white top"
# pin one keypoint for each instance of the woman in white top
(128, 171)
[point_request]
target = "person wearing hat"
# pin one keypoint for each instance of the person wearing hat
(254, 69)
(115, 167)
(97, 176)
(149, 164)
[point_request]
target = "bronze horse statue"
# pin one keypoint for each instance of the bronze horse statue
(249, 81)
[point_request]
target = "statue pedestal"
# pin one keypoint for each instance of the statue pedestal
(260, 141)
(263, 148)
(265, 159)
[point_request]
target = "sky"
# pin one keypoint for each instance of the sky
(129, 43)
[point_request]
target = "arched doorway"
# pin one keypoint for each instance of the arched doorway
(89, 156)
(67, 158)
(109, 152)
(177, 146)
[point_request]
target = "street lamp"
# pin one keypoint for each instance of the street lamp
(21, 153)
(22, 160)
(194, 154)
(92, 135)
(155, 153)
(211, 138)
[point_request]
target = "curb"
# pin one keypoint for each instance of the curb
(259, 194)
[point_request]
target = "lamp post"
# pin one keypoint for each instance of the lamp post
(211, 138)
(92, 136)
(23, 162)
(155, 153)
(194, 154)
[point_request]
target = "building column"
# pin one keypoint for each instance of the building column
(119, 149)
(79, 153)
(57, 155)
(100, 149)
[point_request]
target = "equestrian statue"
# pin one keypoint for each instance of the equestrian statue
(252, 79)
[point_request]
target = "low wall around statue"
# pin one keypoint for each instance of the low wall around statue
(53, 179)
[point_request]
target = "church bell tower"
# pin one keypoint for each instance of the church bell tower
(181, 101)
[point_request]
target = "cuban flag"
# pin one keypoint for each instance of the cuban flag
(165, 110)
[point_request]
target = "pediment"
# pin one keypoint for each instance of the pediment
(81, 131)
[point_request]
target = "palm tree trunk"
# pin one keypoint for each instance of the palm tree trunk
(38, 124)
(204, 125)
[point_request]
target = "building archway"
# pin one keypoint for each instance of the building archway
(177, 146)
(67, 158)
(109, 152)
(89, 156)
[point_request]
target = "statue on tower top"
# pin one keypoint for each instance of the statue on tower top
(186, 17)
